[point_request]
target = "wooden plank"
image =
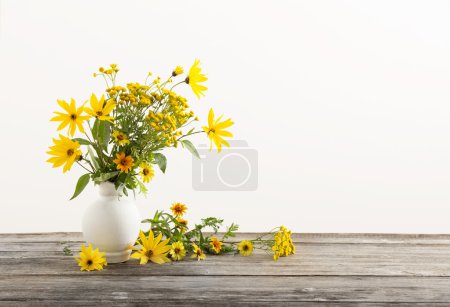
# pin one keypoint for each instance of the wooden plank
(334, 238)
(311, 259)
(381, 249)
(210, 289)
(212, 302)
(259, 264)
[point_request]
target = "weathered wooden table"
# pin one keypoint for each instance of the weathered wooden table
(328, 269)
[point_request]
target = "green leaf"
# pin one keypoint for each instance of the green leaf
(100, 130)
(106, 134)
(142, 187)
(212, 222)
(190, 147)
(95, 129)
(93, 158)
(81, 141)
(105, 176)
(161, 160)
(81, 184)
(231, 231)
(67, 251)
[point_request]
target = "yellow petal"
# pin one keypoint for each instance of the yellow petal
(94, 103)
(211, 118)
(63, 104)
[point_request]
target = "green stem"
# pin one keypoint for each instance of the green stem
(183, 136)
(84, 167)
(184, 81)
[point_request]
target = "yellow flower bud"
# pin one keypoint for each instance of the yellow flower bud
(177, 71)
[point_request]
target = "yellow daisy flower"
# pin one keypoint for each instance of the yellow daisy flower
(152, 249)
(120, 138)
(195, 77)
(245, 248)
(183, 224)
(73, 117)
(216, 244)
(197, 252)
(178, 209)
(65, 151)
(90, 260)
(177, 71)
(215, 130)
(124, 163)
(146, 172)
(177, 252)
(99, 109)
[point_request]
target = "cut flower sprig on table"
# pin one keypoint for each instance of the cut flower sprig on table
(119, 136)
(169, 239)
(171, 229)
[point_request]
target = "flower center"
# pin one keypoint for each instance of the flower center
(245, 248)
(89, 262)
(120, 137)
(123, 162)
(145, 171)
(177, 250)
(70, 152)
(186, 80)
(99, 113)
(73, 116)
(149, 253)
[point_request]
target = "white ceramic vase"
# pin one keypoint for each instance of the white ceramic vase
(111, 224)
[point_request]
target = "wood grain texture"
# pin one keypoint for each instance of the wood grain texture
(328, 270)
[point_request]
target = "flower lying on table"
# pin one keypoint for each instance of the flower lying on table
(169, 239)
(245, 248)
(90, 260)
(198, 243)
(151, 248)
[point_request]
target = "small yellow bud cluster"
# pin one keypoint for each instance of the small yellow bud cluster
(114, 90)
(113, 69)
(126, 97)
(156, 97)
(177, 105)
(162, 122)
(109, 73)
(137, 94)
(157, 80)
(283, 245)
(165, 124)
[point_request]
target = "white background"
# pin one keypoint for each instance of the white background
(347, 103)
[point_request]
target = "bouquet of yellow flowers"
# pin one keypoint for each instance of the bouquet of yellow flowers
(125, 129)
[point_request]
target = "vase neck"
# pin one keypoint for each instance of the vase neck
(108, 189)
